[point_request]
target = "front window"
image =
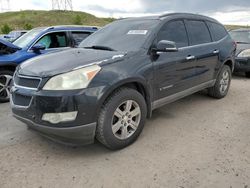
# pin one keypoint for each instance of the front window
(241, 36)
(24, 40)
(123, 35)
(174, 31)
(54, 40)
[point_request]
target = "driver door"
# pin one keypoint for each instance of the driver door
(174, 71)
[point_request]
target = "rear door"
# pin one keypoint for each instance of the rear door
(222, 42)
(203, 49)
(174, 71)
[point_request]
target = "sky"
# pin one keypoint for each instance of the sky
(226, 11)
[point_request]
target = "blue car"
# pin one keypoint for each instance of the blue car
(36, 42)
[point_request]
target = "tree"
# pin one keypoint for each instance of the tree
(27, 26)
(78, 20)
(5, 29)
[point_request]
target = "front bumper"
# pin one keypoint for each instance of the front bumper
(80, 135)
(242, 64)
(29, 106)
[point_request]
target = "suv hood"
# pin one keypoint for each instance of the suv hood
(7, 47)
(64, 61)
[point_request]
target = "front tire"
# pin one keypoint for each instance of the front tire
(5, 82)
(121, 119)
(222, 84)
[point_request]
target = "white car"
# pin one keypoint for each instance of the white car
(13, 35)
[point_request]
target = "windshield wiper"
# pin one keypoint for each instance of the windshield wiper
(243, 42)
(100, 48)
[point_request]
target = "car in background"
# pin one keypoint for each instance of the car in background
(107, 87)
(36, 42)
(13, 35)
(242, 59)
(2, 36)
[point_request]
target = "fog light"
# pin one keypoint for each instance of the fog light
(56, 118)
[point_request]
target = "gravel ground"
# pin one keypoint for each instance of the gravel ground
(195, 142)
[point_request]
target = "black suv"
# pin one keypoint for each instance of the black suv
(107, 87)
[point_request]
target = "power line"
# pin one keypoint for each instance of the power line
(62, 5)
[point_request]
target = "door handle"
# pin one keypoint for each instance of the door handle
(216, 51)
(190, 57)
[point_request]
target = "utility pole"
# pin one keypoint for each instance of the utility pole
(62, 5)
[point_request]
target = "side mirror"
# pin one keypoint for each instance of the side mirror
(38, 47)
(166, 46)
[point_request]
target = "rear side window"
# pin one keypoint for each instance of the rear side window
(218, 31)
(78, 36)
(174, 31)
(198, 32)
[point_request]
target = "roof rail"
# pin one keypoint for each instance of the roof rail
(74, 26)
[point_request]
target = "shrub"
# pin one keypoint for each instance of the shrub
(77, 20)
(27, 26)
(5, 29)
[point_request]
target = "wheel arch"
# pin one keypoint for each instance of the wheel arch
(137, 84)
(230, 63)
(8, 67)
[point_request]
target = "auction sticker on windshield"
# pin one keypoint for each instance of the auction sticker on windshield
(137, 32)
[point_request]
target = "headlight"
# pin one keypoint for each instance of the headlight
(244, 53)
(76, 79)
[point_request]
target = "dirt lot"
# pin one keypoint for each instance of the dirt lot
(195, 142)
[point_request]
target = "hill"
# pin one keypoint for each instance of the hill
(30, 19)
(231, 27)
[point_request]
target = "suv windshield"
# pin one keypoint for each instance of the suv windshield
(24, 40)
(123, 35)
(241, 36)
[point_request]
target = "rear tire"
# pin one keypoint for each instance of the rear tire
(5, 82)
(247, 74)
(222, 84)
(121, 119)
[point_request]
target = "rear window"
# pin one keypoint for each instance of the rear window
(198, 32)
(79, 36)
(218, 31)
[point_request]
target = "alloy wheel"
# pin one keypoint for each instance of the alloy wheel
(5, 81)
(126, 119)
(224, 83)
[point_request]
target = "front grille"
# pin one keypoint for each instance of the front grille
(21, 100)
(27, 82)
